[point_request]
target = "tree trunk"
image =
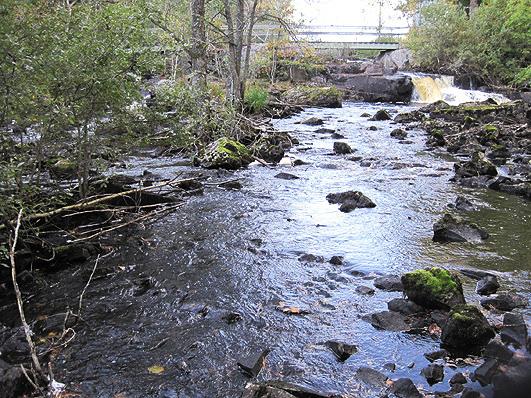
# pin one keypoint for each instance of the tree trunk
(198, 48)
(249, 42)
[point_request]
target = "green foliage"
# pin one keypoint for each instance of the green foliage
(256, 98)
(492, 43)
(439, 281)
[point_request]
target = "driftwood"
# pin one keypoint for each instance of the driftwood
(94, 202)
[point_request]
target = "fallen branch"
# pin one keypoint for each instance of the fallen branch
(86, 204)
(27, 331)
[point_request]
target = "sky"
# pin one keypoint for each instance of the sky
(348, 12)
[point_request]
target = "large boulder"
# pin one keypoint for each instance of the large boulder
(395, 60)
(226, 154)
(378, 88)
(434, 288)
(452, 229)
(466, 328)
(325, 97)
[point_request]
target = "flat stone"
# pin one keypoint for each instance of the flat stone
(451, 229)
(371, 376)
(514, 330)
(498, 351)
(487, 285)
(486, 371)
(388, 320)
(505, 302)
(389, 283)
(324, 131)
(403, 306)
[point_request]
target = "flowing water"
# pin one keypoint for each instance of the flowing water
(161, 299)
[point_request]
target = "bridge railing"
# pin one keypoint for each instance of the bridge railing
(330, 33)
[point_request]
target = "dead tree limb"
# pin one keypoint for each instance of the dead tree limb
(27, 331)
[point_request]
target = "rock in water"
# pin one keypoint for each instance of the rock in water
(505, 302)
(389, 320)
(371, 376)
(350, 200)
(405, 388)
(389, 283)
(434, 288)
(399, 133)
(226, 154)
(404, 306)
(433, 373)
(343, 351)
(463, 204)
(286, 176)
(487, 285)
(381, 115)
(479, 165)
(514, 330)
(313, 121)
(451, 229)
(342, 148)
(466, 328)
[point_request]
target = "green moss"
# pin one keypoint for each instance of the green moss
(439, 281)
(232, 149)
(489, 128)
(438, 133)
(464, 313)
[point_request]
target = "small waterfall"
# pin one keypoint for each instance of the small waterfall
(429, 89)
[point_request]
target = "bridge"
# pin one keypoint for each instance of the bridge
(337, 37)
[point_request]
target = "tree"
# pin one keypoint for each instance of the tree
(198, 44)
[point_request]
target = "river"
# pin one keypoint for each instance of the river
(163, 297)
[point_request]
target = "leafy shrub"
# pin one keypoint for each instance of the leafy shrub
(493, 43)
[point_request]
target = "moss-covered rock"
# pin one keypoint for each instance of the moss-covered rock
(226, 154)
(326, 97)
(434, 288)
(466, 328)
(64, 168)
(272, 147)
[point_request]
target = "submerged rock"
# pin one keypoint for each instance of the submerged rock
(466, 328)
(434, 288)
(364, 290)
(325, 131)
(463, 204)
(286, 176)
(487, 285)
(226, 154)
(451, 229)
(342, 148)
(504, 302)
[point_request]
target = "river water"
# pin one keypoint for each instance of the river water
(162, 298)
